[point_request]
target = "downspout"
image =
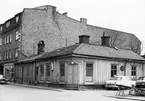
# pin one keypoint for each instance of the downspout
(125, 68)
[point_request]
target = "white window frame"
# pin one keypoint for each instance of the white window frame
(89, 78)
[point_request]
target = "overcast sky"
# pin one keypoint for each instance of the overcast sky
(123, 15)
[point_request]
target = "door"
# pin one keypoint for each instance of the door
(72, 74)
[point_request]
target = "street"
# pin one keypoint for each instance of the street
(17, 93)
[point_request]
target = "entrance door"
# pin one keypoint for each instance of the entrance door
(72, 74)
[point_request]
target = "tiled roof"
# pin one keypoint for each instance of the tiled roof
(89, 50)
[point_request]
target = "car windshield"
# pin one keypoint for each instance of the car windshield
(141, 78)
(116, 78)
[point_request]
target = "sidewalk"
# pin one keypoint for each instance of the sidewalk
(36, 87)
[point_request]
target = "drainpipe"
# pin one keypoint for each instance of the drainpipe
(125, 68)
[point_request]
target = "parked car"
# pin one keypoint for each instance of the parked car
(140, 83)
(3, 80)
(125, 81)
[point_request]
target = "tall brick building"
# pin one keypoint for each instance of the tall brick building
(19, 35)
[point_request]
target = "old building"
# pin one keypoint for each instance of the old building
(81, 64)
(19, 35)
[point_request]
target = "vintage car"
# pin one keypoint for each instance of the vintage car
(116, 81)
(3, 80)
(140, 83)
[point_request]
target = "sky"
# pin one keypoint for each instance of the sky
(123, 15)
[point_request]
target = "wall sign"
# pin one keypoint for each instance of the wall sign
(122, 68)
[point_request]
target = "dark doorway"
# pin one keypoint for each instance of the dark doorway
(1, 69)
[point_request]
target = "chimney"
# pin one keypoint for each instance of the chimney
(84, 38)
(41, 46)
(83, 20)
(65, 13)
(105, 40)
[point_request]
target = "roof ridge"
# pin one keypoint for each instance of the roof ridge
(78, 48)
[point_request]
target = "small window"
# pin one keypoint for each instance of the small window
(16, 52)
(62, 69)
(7, 38)
(10, 38)
(10, 54)
(1, 28)
(17, 35)
(133, 71)
(0, 56)
(0, 41)
(17, 18)
(42, 70)
(48, 68)
(113, 70)
(7, 24)
(7, 55)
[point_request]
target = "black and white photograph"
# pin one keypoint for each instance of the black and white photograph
(72, 50)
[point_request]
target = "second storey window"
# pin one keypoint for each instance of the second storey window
(113, 70)
(7, 24)
(5, 40)
(1, 28)
(10, 54)
(0, 56)
(10, 38)
(17, 35)
(16, 52)
(0, 41)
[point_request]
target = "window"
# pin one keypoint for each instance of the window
(7, 55)
(48, 69)
(17, 18)
(62, 69)
(113, 70)
(7, 24)
(10, 54)
(89, 69)
(10, 38)
(133, 71)
(7, 39)
(42, 70)
(0, 41)
(17, 35)
(16, 52)
(1, 28)
(0, 56)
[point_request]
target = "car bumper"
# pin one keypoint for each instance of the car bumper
(3, 82)
(111, 86)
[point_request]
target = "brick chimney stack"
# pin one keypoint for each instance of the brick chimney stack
(105, 40)
(41, 47)
(83, 20)
(84, 38)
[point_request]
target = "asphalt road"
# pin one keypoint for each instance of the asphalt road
(17, 93)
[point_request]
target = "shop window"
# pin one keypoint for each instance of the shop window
(42, 70)
(133, 71)
(89, 71)
(62, 69)
(48, 68)
(113, 70)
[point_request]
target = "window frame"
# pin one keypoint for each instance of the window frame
(41, 70)
(133, 71)
(62, 69)
(17, 35)
(16, 53)
(48, 70)
(113, 70)
(8, 24)
(89, 69)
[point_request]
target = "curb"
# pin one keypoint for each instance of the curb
(35, 87)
